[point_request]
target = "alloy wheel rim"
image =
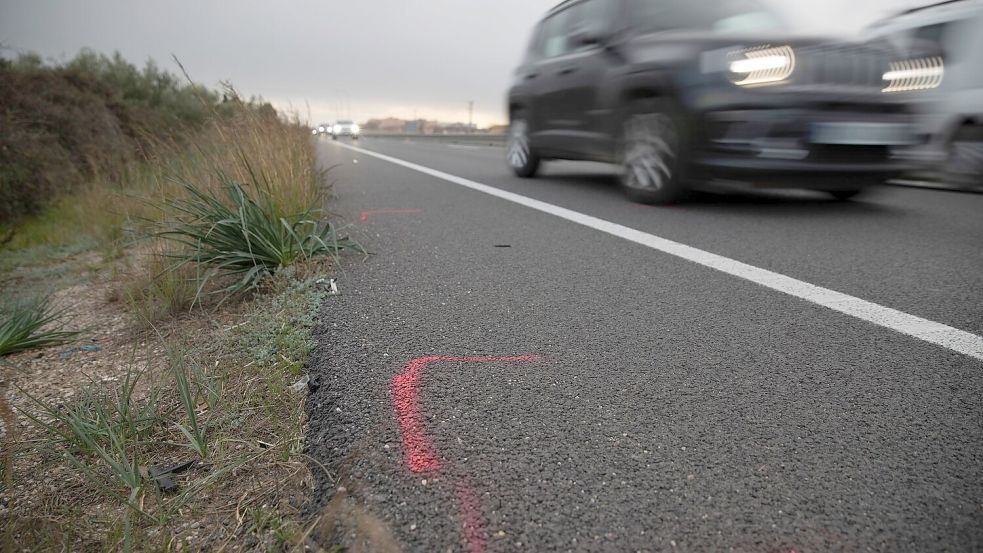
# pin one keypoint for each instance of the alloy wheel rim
(518, 150)
(651, 148)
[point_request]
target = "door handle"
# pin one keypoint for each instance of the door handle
(531, 76)
(567, 70)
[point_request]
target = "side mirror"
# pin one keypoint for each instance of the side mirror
(587, 35)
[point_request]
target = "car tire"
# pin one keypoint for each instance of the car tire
(334, 137)
(964, 161)
(654, 152)
(845, 195)
(519, 154)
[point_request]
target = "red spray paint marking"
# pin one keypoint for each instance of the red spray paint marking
(418, 450)
(471, 522)
(364, 216)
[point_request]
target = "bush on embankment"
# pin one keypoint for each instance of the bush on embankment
(65, 125)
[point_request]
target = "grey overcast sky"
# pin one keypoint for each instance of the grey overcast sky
(373, 57)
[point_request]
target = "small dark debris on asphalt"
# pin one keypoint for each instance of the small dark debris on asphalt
(161, 475)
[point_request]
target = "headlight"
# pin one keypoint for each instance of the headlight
(336, 129)
(911, 75)
(761, 66)
(355, 129)
(320, 129)
(313, 131)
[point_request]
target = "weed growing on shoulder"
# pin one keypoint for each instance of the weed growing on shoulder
(32, 324)
(246, 235)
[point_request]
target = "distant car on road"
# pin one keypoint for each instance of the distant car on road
(323, 128)
(950, 98)
(346, 128)
(677, 92)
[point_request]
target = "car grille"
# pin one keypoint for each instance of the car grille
(853, 68)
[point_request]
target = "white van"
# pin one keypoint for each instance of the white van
(949, 95)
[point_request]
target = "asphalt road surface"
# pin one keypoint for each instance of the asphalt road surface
(506, 375)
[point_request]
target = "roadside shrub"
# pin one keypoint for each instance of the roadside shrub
(65, 125)
(56, 133)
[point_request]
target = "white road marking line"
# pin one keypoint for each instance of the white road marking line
(930, 331)
(929, 185)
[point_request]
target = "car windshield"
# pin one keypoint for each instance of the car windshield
(344, 122)
(722, 16)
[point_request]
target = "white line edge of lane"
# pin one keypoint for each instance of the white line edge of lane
(929, 331)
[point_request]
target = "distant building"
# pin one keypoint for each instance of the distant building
(394, 125)
(387, 125)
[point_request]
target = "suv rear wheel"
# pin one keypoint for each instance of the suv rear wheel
(964, 166)
(519, 153)
(655, 147)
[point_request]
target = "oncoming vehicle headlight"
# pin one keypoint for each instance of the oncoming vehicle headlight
(355, 129)
(912, 75)
(337, 129)
(761, 66)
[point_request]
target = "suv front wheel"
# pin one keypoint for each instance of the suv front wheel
(654, 148)
(518, 152)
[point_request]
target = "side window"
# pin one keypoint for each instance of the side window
(596, 16)
(576, 19)
(555, 32)
(599, 13)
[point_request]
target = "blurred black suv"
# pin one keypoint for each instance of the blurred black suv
(683, 91)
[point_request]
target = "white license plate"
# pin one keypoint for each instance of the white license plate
(862, 134)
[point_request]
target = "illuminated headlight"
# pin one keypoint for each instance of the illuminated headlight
(313, 131)
(320, 129)
(337, 129)
(355, 129)
(761, 66)
(911, 75)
